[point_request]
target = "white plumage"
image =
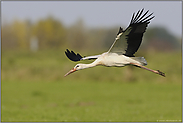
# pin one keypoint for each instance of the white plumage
(122, 51)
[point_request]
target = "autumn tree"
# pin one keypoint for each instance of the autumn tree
(77, 36)
(15, 35)
(50, 33)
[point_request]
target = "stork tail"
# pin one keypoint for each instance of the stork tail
(142, 60)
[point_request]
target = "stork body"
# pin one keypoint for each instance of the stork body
(115, 60)
(122, 51)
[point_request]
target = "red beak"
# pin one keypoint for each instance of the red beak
(71, 71)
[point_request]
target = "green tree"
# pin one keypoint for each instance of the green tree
(160, 38)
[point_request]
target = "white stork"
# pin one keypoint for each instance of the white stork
(121, 53)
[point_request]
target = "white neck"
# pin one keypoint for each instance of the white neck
(89, 65)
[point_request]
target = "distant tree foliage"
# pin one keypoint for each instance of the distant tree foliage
(158, 38)
(15, 35)
(77, 35)
(52, 34)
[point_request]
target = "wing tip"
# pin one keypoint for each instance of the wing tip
(139, 18)
(72, 56)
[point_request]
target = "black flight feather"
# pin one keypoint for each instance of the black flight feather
(138, 24)
(120, 31)
(72, 56)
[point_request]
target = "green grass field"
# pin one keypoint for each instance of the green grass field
(33, 89)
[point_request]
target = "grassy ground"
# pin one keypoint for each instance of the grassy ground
(33, 89)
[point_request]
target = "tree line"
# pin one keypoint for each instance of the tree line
(51, 33)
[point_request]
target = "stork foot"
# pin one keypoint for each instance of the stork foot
(161, 73)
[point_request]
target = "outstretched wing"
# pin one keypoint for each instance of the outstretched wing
(128, 41)
(77, 57)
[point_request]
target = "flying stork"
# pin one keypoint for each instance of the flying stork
(122, 51)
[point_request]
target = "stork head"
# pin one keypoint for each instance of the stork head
(77, 67)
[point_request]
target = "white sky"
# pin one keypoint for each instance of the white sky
(96, 13)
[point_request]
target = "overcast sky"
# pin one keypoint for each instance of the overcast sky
(96, 13)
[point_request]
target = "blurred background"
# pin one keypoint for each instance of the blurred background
(35, 34)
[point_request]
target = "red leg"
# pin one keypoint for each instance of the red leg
(154, 71)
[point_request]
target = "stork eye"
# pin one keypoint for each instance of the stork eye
(77, 66)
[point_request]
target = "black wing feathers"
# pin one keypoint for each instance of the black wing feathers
(77, 57)
(133, 36)
(72, 56)
(120, 31)
(138, 24)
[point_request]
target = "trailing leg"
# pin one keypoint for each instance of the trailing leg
(154, 71)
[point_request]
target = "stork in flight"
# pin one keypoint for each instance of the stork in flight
(122, 51)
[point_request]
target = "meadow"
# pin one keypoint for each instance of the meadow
(33, 89)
